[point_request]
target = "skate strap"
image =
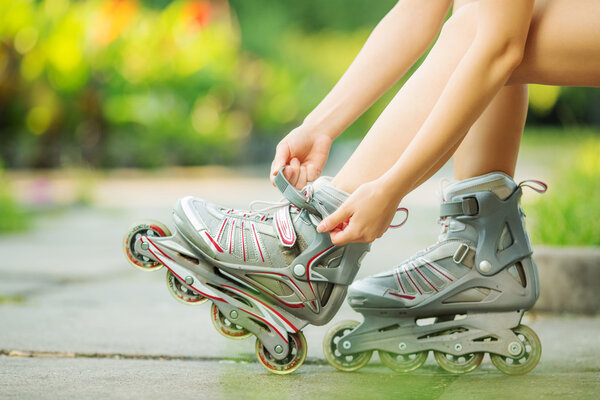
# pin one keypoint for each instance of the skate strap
(466, 206)
(282, 222)
(292, 194)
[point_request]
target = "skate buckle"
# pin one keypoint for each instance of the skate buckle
(461, 253)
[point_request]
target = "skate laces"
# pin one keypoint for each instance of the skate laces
(269, 206)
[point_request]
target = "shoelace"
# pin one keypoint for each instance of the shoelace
(261, 213)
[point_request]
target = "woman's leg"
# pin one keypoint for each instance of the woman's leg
(563, 48)
(401, 120)
(492, 143)
(561, 29)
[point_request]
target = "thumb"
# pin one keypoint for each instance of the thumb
(282, 155)
(337, 218)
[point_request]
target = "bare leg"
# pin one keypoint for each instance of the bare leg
(556, 24)
(401, 120)
(492, 143)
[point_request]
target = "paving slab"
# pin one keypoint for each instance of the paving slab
(90, 378)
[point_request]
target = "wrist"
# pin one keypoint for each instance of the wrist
(315, 125)
(393, 187)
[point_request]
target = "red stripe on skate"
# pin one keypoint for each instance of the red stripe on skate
(183, 280)
(445, 276)
(252, 283)
(157, 229)
(157, 248)
(231, 234)
(219, 249)
(426, 280)
(413, 282)
(266, 322)
(285, 276)
(243, 241)
(257, 243)
(308, 269)
(284, 227)
(404, 296)
(274, 311)
(398, 277)
(222, 227)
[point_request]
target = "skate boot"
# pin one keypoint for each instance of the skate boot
(462, 297)
(267, 273)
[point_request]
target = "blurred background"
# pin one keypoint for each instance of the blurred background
(88, 88)
(110, 110)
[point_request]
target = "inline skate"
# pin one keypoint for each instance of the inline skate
(267, 273)
(462, 297)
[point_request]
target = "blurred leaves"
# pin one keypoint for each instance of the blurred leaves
(154, 82)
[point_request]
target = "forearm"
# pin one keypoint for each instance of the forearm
(391, 49)
(481, 73)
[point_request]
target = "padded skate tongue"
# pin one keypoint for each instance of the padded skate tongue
(498, 183)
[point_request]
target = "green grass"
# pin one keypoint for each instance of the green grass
(569, 215)
(12, 217)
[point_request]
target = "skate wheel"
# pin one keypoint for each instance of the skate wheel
(225, 327)
(532, 351)
(292, 362)
(403, 362)
(147, 228)
(346, 363)
(182, 292)
(458, 364)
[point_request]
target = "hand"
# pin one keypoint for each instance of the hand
(363, 217)
(305, 152)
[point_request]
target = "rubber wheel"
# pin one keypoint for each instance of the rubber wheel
(293, 361)
(458, 364)
(182, 292)
(346, 363)
(225, 327)
(403, 362)
(149, 228)
(529, 358)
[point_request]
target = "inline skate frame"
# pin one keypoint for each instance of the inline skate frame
(461, 298)
(267, 274)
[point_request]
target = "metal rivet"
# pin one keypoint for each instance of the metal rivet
(485, 266)
(189, 280)
(278, 349)
(514, 348)
(402, 346)
(346, 345)
(299, 269)
(458, 347)
(233, 314)
(145, 246)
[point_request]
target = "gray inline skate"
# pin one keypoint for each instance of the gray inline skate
(267, 273)
(462, 297)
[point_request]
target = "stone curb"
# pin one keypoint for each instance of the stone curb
(569, 279)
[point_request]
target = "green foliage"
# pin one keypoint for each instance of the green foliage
(148, 83)
(569, 214)
(12, 217)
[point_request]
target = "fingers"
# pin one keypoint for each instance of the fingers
(312, 173)
(292, 172)
(336, 219)
(282, 155)
(302, 178)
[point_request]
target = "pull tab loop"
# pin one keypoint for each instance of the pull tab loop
(540, 188)
(405, 210)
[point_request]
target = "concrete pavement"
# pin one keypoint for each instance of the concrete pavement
(76, 320)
